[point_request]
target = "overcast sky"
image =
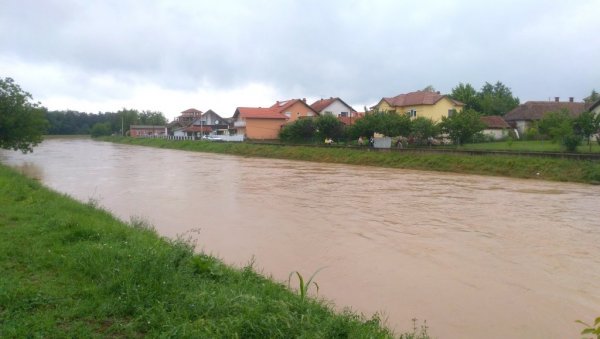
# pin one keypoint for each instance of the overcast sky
(172, 55)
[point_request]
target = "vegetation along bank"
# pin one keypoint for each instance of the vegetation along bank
(556, 169)
(72, 270)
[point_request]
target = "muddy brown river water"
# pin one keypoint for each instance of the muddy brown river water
(476, 256)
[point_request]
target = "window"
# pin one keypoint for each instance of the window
(451, 112)
(288, 114)
(343, 114)
(412, 113)
(309, 114)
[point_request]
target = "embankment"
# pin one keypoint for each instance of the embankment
(69, 269)
(555, 169)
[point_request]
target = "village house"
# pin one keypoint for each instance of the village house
(431, 105)
(265, 123)
(208, 123)
(338, 108)
(147, 131)
(594, 107)
(495, 127)
(523, 116)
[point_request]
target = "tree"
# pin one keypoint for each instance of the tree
(152, 118)
(299, 130)
(593, 97)
(586, 125)
(429, 88)
(466, 94)
(496, 99)
(560, 127)
(100, 129)
(423, 128)
(462, 126)
(328, 126)
(22, 122)
(387, 123)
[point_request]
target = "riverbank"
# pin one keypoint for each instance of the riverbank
(72, 270)
(582, 171)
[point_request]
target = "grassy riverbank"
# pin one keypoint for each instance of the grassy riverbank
(68, 269)
(584, 171)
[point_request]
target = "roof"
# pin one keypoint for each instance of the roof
(147, 126)
(418, 98)
(274, 112)
(350, 120)
(535, 110)
(594, 105)
(197, 129)
(258, 113)
(191, 111)
(494, 121)
(320, 105)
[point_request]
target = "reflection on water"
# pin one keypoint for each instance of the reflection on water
(475, 256)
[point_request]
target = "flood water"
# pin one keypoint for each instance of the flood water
(476, 256)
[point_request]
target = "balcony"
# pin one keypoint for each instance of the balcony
(239, 123)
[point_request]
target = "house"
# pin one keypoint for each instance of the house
(188, 116)
(334, 106)
(522, 116)
(431, 105)
(594, 107)
(495, 127)
(147, 131)
(265, 123)
(204, 124)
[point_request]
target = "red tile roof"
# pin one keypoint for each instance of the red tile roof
(535, 110)
(494, 122)
(191, 111)
(194, 129)
(258, 113)
(274, 112)
(350, 120)
(417, 98)
(320, 105)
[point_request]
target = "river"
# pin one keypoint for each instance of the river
(475, 256)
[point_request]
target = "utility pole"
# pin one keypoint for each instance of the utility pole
(122, 124)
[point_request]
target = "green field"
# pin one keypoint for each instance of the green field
(584, 171)
(70, 270)
(528, 146)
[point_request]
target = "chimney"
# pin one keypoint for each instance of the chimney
(438, 92)
(571, 99)
(304, 99)
(277, 103)
(556, 99)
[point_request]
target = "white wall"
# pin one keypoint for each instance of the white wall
(497, 134)
(336, 108)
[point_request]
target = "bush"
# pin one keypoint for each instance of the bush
(299, 130)
(571, 142)
(101, 129)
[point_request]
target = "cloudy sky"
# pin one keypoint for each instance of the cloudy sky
(172, 55)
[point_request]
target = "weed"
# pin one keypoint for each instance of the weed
(302, 286)
(594, 330)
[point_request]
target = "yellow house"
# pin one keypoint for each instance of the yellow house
(431, 105)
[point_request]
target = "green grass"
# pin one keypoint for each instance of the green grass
(70, 270)
(584, 171)
(528, 146)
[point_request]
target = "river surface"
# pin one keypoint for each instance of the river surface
(476, 256)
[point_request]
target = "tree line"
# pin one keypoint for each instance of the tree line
(97, 124)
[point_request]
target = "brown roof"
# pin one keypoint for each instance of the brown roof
(258, 113)
(350, 120)
(198, 129)
(274, 112)
(191, 111)
(494, 121)
(417, 98)
(320, 105)
(594, 105)
(535, 110)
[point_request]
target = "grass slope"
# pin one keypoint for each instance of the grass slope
(584, 171)
(70, 270)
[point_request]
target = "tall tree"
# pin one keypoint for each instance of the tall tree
(466, 94)
(152, 118)
(462, 126)
(593, 97)
(496, 99)
(22, 122)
